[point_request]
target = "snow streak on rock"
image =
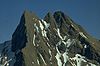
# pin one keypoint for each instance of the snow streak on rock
(81, 33)
(92, 64)
(34, 40)
(32, 62)
(65, 56)
(50, 54)
(43, 28)
(79, 59)
(42, 59)
(58, 31)
(38, 62)
(58, 56)
(36, 27)
(46, 24)
(41, 25)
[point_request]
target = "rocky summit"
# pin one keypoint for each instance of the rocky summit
(55, 40)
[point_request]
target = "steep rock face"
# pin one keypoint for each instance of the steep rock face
(53, 41)
(19, 40)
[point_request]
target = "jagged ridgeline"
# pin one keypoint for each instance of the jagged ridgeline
(55, 40)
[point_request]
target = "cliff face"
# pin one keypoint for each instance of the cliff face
(53, 41)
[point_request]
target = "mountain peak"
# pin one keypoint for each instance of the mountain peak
(26, 11)
(56, 36)
(59, 12)
(53, 41)
(28, 14)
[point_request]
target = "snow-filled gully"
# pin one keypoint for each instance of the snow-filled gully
(43, 28)
(64, 55)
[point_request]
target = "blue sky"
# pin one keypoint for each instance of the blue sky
(84, 12)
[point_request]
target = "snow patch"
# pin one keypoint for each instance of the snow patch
(42, 59)
(92, 64)
(50, 54)
(58, 31)
(48, 44)
(58, 55)
(78, 58)
(41, 25)
(34, 40)
(37, 29)
(37, 45)
(44, 33)
(85, 46)
(50, 62)
(5, 57)
(6, 62)
(74, 27)
(57, 49)
(34, 19)
(68, 42)
(82, 34)
(58, 59)
(87, 65)
(65, 37)
(46, 24)
(38, 62)
(65, 56)
(32, 62)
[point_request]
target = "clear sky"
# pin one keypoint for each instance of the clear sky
(84, 12)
